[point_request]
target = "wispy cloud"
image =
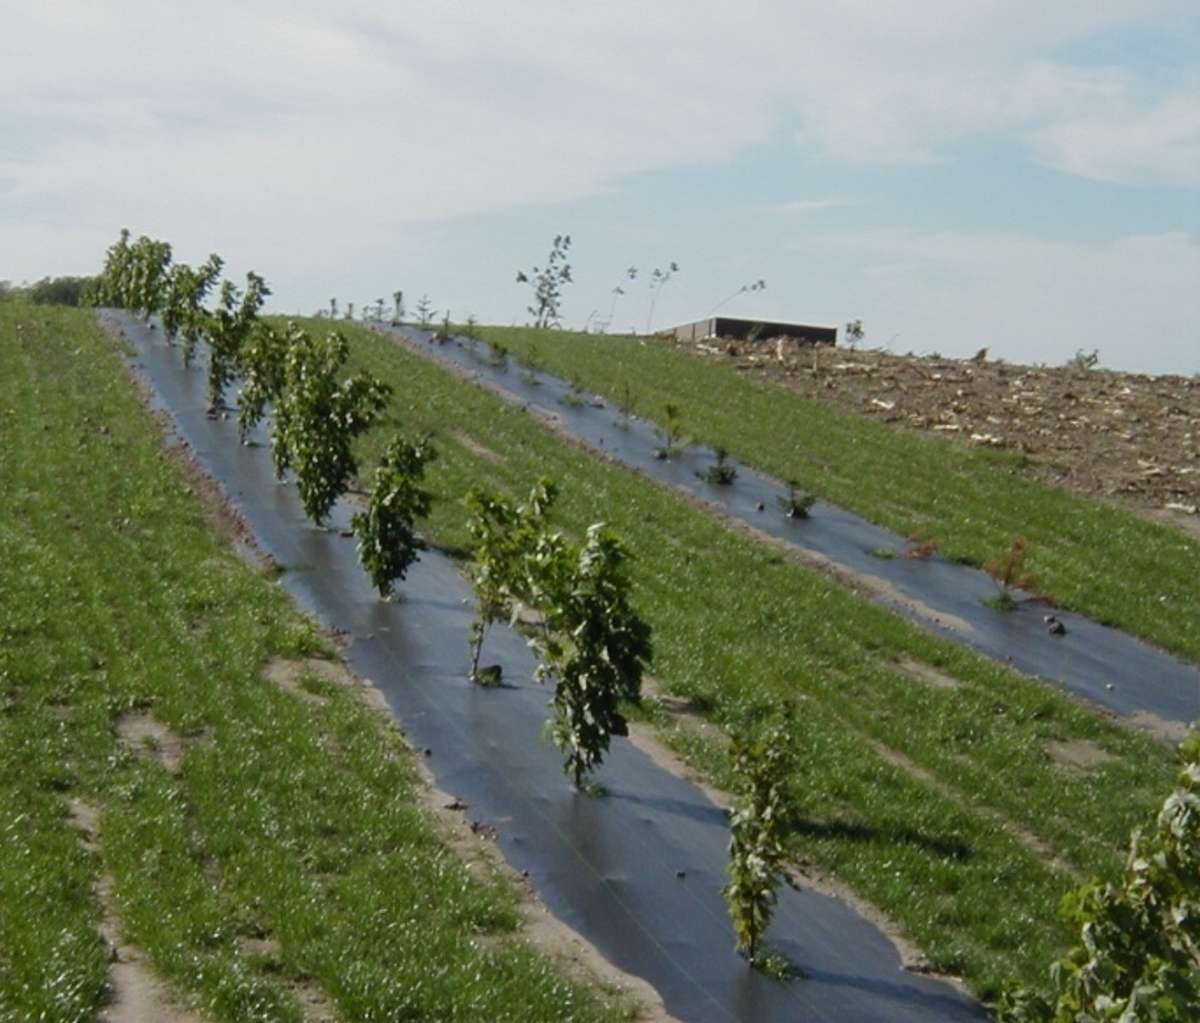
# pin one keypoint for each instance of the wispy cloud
(303, 140)
(1147, 146)
(802, 206)
(1032, 299)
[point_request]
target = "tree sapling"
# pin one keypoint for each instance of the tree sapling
(762, 765)
(505, 538)
(722, 472)
(387, 541)
(425, 313)
(1139, 935)
(317, 418)
(658, 281)
(547, 283)
(796, 504)
(592, 643)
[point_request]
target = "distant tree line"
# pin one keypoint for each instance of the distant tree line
(50, 291)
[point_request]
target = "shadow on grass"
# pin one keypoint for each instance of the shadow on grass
(843, 831)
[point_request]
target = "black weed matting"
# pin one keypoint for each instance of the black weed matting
(1110, 667)
(637, 872)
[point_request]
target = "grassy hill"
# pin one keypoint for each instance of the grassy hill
(929, 782)
(1091, 557)
(265, 849)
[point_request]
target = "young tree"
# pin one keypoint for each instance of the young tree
(174, 299)
(317, 418)
(387, 543)
(592, 642)
(145, 283)
(757, 852)
(548, 282)
(745, 289)
(658, 281)
(261, 360)
(112, 286)
(854, 332)
(505, 538)
(629, 275)
(194, 321)
(1138, 959)
(1009, 573)
(425, 313)
(228, 327)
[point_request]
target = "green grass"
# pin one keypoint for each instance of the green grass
(1091, 557)
(285, 820)
(739, 630)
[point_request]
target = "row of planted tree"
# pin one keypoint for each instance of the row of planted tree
(1139, 957)
(590, 642)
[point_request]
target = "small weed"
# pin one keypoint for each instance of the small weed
(776, 965)
(671, 432)
(884, 553)
(919, 548)
(1009, 573)
(531, 359)
(498, 356)
(574, 398)
(1084, 360)
(626, 402)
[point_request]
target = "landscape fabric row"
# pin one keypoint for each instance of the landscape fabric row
(638, 872)
(1103, 664)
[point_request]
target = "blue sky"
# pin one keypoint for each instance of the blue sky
(1020, 175)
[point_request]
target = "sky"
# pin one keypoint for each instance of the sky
(1021, 175)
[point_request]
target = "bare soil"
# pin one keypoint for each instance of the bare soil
(927, 673)
(1078, 754)
(136, 993)
(144, 733)
(1120, 436)
(476, 448)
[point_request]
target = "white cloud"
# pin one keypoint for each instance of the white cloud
(304, 140)
(1149, 146)
(1033, 300)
